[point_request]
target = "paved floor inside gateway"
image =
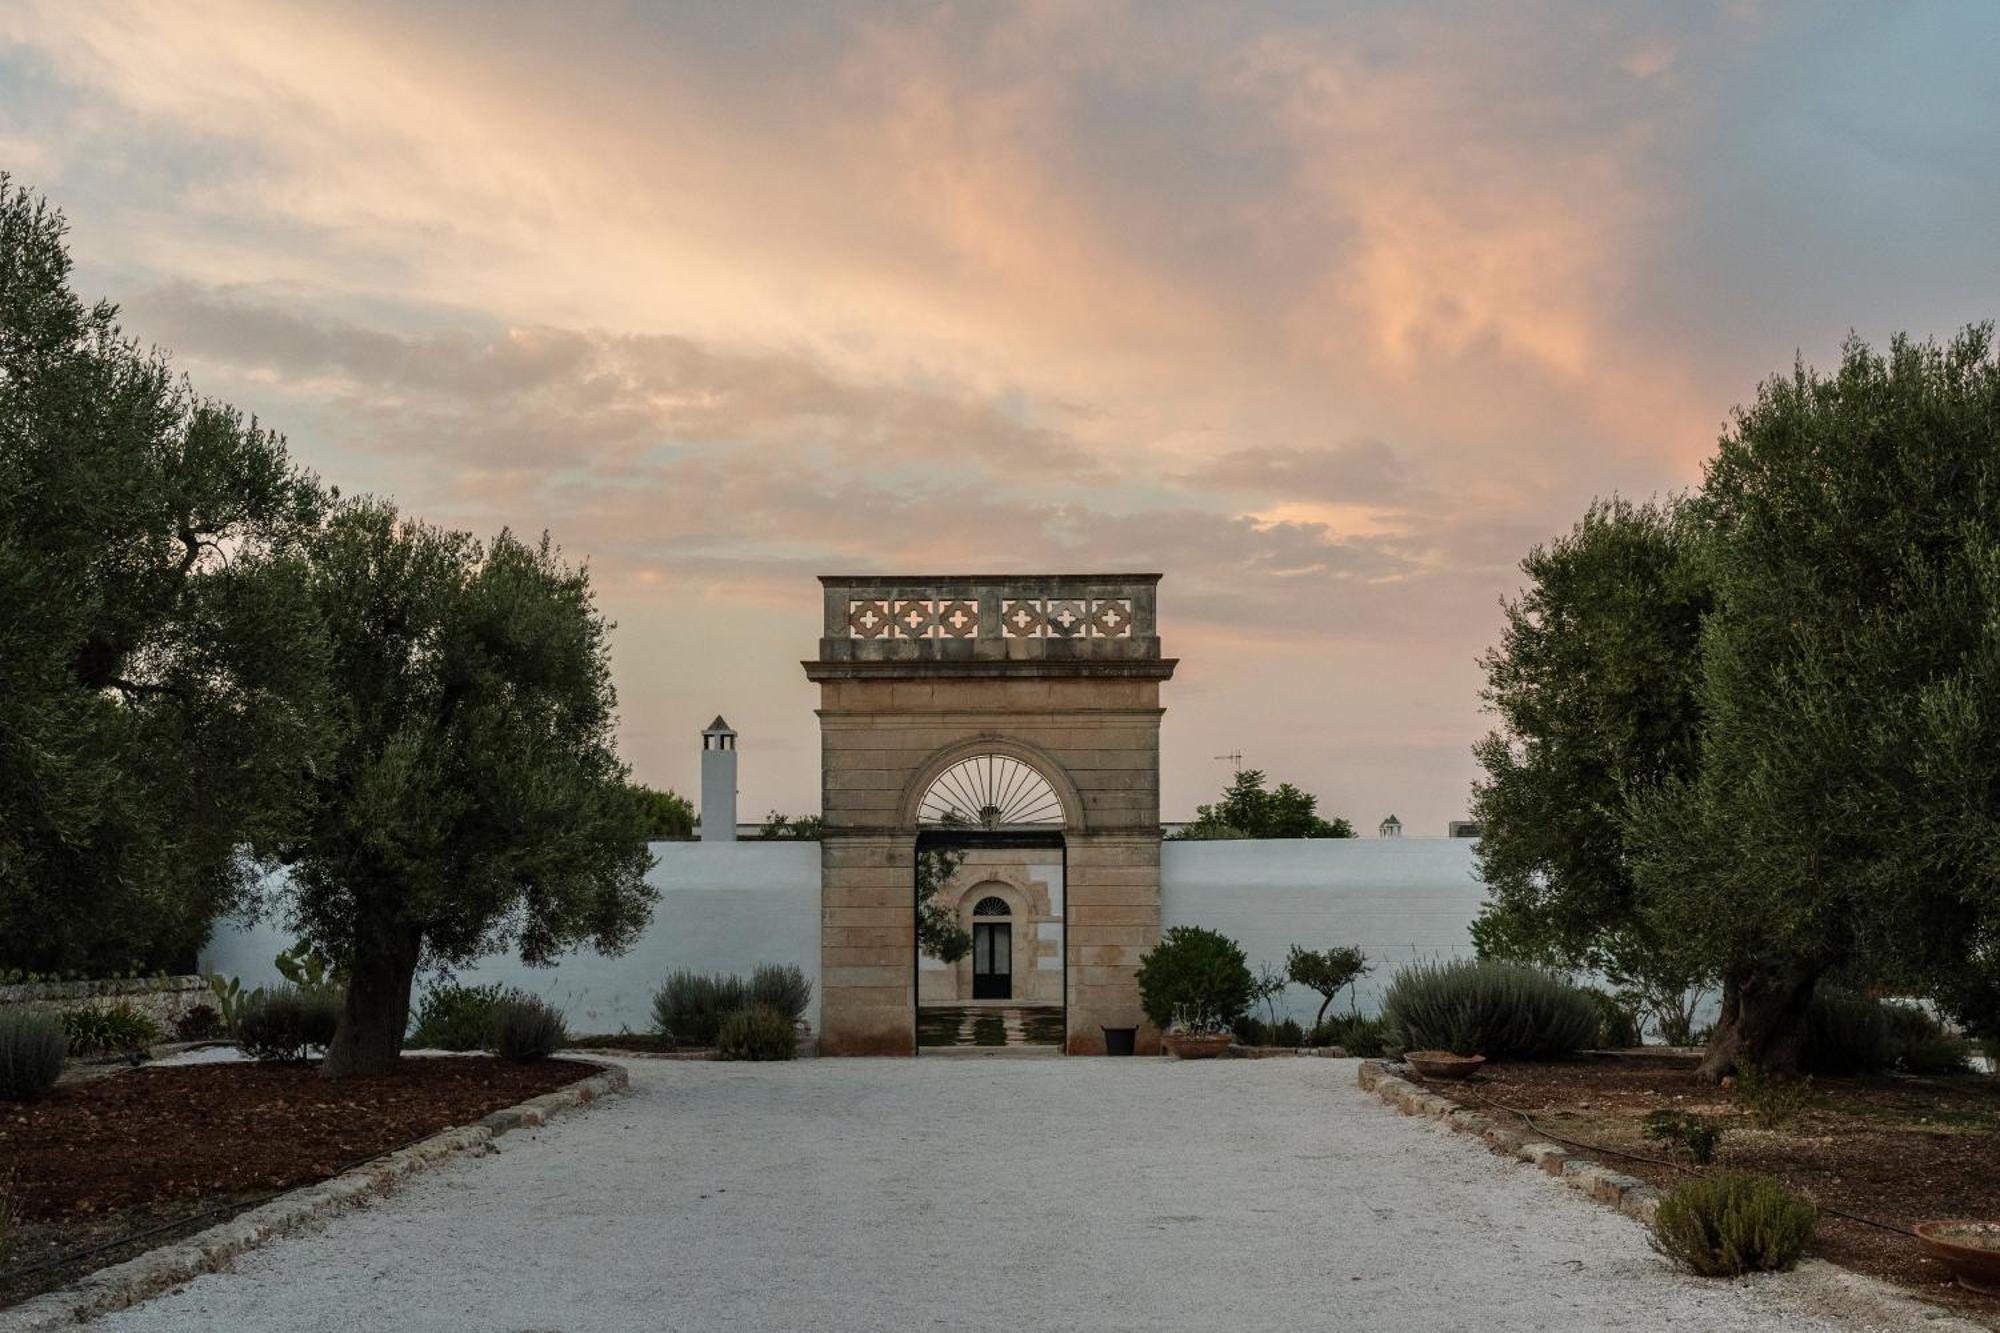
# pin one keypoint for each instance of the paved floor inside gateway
(940, 1194)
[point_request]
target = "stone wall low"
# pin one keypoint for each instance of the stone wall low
(163, 999)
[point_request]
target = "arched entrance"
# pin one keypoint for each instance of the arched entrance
(1013, 721)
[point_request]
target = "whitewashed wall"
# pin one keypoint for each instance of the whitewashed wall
(723, 907)
(1398, 898)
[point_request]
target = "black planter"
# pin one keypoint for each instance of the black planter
(1121, 1041)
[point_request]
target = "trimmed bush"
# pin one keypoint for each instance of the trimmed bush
(690, 1007)
(782, 986)
(32, 1050)
(1733, 1223)
(1195, 977)
(527, 1027)
(1502, 1011)
(1845, 1033)
(1923, 1045)
(115, 1027)
(286, 1022)
(457, 1018)
(756, 1032)
(201, 1023)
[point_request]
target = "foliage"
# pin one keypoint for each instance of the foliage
(159, 688)
(1696, 1134)
(1499, 1010)
(228, 992)
(1617, 1020)
(1733, 1223)
(473, 800)
(1774, 1100)
(756, 1032)
(10, 1212)
(1196, 977)
(690, 1007)
(286, 1022)
(304, 965)
(1845, 1033)
(1923, 1045)
(98, 1030)
(32, 1050)
(1246, 810)
(527, 1027)
(1266, 987)
(452, 1017)
(666, 814)
(202, 1022)
(776, 825)
(1358, 1036)
(1327, 971)
(782, 986)
(1288, 1033)
(940, 934)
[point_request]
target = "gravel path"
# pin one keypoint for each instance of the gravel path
(998, 1194)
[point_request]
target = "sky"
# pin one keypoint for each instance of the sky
(1327, 312)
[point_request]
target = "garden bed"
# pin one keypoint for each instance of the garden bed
(1895, 1150)
(107, 1168)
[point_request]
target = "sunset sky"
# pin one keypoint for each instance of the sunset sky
(1326, 311)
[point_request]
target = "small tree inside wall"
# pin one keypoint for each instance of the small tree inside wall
(474, 801)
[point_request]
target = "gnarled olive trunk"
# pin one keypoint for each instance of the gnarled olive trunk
(1762, 1020)
(369, 1039)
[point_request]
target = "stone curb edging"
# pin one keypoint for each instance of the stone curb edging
(126, 1284)
(1840, 1292)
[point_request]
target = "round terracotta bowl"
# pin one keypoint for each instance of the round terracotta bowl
(1197, 1045)
(1972, 1249)
(1443, 1064)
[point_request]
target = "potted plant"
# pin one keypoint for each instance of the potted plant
(1970, 1248)
(1194, 984)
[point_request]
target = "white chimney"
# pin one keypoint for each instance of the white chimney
(718, 783)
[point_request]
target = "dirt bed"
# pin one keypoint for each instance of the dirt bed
(1896, 1150)
(165, 1151)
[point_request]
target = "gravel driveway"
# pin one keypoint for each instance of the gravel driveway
(1014, 1195)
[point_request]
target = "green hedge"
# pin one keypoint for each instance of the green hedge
(1498, 1010)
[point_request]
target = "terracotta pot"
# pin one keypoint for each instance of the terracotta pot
(1972, 1249)
(1197, 1045)
(1443, 1064)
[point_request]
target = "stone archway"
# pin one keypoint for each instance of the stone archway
(1060, 673)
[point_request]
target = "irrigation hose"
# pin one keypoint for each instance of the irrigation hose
(1670, 1165)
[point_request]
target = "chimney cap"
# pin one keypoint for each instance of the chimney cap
(718, 728)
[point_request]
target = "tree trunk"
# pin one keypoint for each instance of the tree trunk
(369, 1039)
(1762, 1019)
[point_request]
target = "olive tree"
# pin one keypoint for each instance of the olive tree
(473, 801)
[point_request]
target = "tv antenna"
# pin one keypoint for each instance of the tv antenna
(1235, 757)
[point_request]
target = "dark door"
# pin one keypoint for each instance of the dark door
(992, 960)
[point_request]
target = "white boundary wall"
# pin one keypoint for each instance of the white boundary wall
(723, 907)
(1398, 898)
(727, 906)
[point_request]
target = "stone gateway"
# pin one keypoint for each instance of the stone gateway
(1013, 722)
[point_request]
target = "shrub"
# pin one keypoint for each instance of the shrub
(1698, 1134)
(32, 1048)
(457, 1018)
(1733, 1223)
(1288, 1033)
(117, 1027)
(757, 1032)
(782, 986)
(1773, 1101)
(1365, 1037)
(1845, 1033)
(1196, 977)
(1922, 1045)
(286, 1022)
(690, 1007)
(1617, 1023)
(1499, 1010)
(9, 1212)
(527, 1027)
(201, 1023)
(1250, 1031)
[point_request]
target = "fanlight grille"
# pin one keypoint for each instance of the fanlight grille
(992, 905)
(990, 791)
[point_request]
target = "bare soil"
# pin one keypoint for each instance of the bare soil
(109, 1167)
(1896, 1150)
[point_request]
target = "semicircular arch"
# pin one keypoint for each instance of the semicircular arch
(912, 805)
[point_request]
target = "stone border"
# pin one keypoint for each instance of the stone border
(1827, 1288)
(127, 1284)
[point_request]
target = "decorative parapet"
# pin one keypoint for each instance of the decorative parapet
(1092, 623)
